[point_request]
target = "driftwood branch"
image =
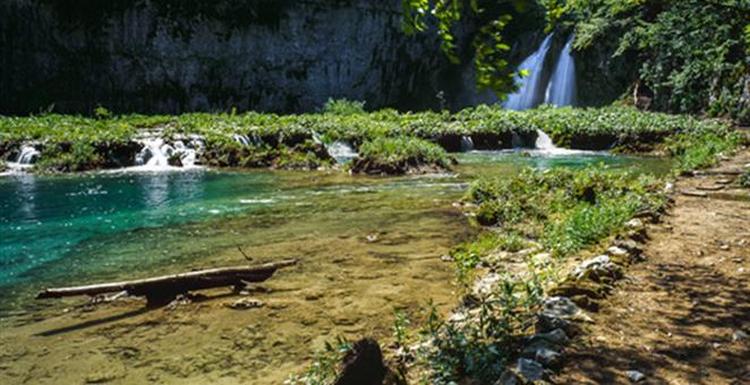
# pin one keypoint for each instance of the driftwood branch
(160, 290)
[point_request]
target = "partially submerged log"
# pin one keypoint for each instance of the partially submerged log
(163, 289)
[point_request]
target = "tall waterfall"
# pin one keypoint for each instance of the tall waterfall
(530, 89)
(561, 90)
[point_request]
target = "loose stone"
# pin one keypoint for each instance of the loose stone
(635, 376)
(530, 370)
(244, 304)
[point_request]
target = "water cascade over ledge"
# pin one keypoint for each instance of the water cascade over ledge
(561, 90)
(530, 89)
(158, 155)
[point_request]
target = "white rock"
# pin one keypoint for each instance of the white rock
(635, 376)
(617, 251)
(634, 224)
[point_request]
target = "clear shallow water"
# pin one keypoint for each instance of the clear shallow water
(79, 229)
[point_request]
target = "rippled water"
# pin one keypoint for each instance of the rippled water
(78, 229)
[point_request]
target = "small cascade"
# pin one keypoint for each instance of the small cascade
(530, 89)
(561, 90)
(341, 151)
(467, 144)
(157, 155)
(544, 142)
(26, 158)
(151, 154)
(242, 139)
(28, 155)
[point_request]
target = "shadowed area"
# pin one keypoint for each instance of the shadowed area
(684, 314)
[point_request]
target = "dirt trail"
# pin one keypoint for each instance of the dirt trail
(683, 315)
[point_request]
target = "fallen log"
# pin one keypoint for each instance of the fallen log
(163, 289)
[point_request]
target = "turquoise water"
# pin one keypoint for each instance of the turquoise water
(76, 229)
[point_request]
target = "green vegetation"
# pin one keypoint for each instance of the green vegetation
(687, 56)
(564, 210)
(287, 140)
(701, 149)
(690, 55)
(343, 107)
(324, 367)
(400, 156)
(745, 179)
(479, 347)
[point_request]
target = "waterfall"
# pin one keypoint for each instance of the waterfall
(156, 153)
(28, 155)
(341, 151)
(544, 142)
(530, 89)
(242, 139)
(561, 90)
(151, 154)
(467, 144)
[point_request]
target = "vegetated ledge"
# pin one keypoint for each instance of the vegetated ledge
(398, 156)
(73, 143)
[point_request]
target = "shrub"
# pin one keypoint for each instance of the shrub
(343, 107)
(399, 156)
(566, 209)
(78, 156)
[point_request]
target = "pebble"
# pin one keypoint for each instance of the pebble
(547, 357)
(635, 376)
(530, 370)
(739, 335)
(634, 224)
(616, 251)
(244, 303)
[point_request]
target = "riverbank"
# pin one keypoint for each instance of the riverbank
(554, 245)
(681, 315)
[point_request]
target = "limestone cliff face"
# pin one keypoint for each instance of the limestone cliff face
(154, 56)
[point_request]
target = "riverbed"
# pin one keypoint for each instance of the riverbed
(365, 245)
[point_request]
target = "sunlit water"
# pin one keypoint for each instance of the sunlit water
(84, 228)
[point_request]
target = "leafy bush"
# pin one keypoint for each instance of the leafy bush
(399, 156)
(78, 156)
(701, 149)
(691, 53)
(566, 209)
(343, 107)
(478, 348)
